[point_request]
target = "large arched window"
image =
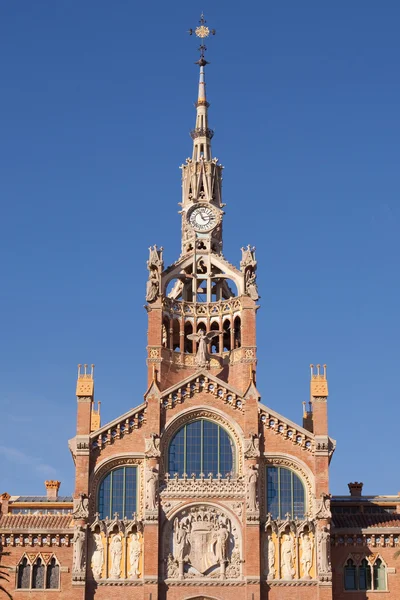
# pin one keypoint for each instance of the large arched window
(118, 493)
(285, 494)
(201, 447)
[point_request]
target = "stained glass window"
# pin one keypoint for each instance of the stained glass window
(24, 574)
(53, 575)
(38, 574)
(118, 493)
(201, 447)
(285, 494)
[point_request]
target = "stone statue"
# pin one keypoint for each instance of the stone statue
(134, 556)
(116, 556)
(152, 286)
(324, 551)
(180, 541)
(202, 338)
(220, 536)
(269, 557)
(79, 549)
(306, 555)
(98, 556)
(152, 484)
(252, 477)
(251, 285)
(287, 555)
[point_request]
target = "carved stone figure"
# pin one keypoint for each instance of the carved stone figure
(202, 338)
(220, 537)
(172, 568)
(152, 485)
(269, 557)
(79, 549)
(180, 540)
(324, 565)
(252, 476)
(116, 556)
(287, 556)
(306, 555)
(233, 568)
(98, 556)
(251, 286)
(134, 556)
(152, 286)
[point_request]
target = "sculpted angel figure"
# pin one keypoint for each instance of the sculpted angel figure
(306, 556)
(269, 557)
(116, 555)
(180, 540)
(152, 286)
(79, 549)
(134, 556)
(152, 484)
(252, 476)
(221, 536)
(98, 556)
(287, 555)
(202, 338)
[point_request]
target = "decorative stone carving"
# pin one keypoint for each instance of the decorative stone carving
(269, 557)
(81, 507)
(252, 446)
(152, 447)
(324, 560)
(323, 507)
(306, 554)
(151, 488)
(116, 556)
(202, 338)
(252, 478)
(97, 556)
(251, 285)
(135, 550)
(155, 266)
(202, 487)
(202, 542)
(79, 560)
(248, 257)
(287, 557)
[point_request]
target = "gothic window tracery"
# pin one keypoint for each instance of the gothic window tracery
(365, 576)
(285, 493)
(53, 575)
(201, 447)
(118, 493)
(38, 574)
(24, 574)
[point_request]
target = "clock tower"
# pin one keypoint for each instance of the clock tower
(202, 309)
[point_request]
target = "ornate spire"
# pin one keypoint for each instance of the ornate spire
(202, 134)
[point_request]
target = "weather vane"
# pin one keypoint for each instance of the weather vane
(202, 32)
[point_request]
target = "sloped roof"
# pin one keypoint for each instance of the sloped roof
(364, 521)
(35, 499)
(35, 522)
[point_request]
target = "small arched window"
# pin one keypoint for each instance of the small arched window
(238, 332)
(379, 575)
(118, 493)
(188, 343)
(285, 494)
(24, 574)
(215, 340)
(350, 575)
(53, 575)
(201, 447)
(38, 574)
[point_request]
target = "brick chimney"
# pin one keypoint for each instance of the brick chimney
(4, 500)
(52, 488)
(355, 489)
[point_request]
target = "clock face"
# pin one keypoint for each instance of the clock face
(203, 218)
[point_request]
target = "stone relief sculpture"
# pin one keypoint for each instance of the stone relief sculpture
(203, 544)
(306, 554)
(269, 557)
(252, 477)
(81, 507)
(151, 488)
(202, 338)
(251, 285)
(116, 556)
(135, 550)
(287, 557)
(252, 446)
(79, 550)
(324, 563)
(323, 507)
(152, 448)
(97, 556)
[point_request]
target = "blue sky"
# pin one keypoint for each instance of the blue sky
(96, 105)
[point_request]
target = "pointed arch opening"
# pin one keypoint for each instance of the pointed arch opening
(53, 575)
(165, 332)
(188, 343)
(226, 327)
(176, 343)
(24, 574)
(214, 344)
(237, 325)
(38, 572)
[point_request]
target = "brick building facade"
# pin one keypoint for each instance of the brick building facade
(202, 492)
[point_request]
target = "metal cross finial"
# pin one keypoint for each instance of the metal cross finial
(202, 32)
